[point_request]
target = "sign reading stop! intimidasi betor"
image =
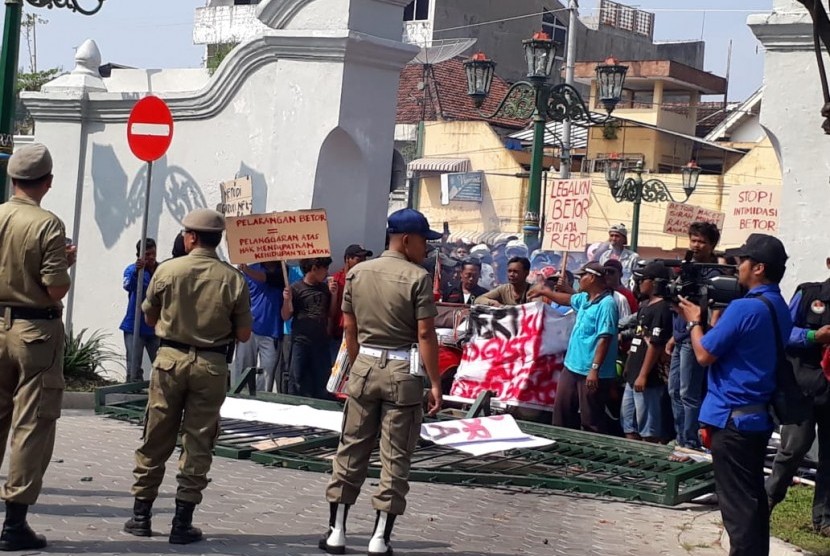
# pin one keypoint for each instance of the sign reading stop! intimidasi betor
(278, 236)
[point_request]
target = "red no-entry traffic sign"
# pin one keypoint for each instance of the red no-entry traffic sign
(150, 129)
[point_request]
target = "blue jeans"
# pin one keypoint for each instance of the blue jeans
(686, 390)
(150, 344)
(310, 370)
(641, 412)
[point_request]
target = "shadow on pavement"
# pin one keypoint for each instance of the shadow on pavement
(233, 545)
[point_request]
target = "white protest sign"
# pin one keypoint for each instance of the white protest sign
(237, 197)
(751, 209)
(566, 215)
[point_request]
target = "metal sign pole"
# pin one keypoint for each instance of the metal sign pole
(138, 353)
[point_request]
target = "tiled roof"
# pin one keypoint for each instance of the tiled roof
(709, 116)
(448, 90)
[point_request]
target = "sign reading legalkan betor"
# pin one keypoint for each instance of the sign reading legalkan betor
(278, 236)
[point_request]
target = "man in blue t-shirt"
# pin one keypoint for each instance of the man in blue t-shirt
(590, 362)
(741, 351)
(264, 349)
(148, 341)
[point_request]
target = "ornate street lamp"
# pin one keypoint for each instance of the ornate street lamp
(540, 52)
(8, 66)
(537, 100)
(636, 190)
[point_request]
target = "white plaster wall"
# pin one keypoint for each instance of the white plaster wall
(750, 131)
(791, 115)
(313, 127)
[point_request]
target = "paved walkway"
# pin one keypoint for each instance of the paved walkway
(252, 509)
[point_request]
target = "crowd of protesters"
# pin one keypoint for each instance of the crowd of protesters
(637, 365)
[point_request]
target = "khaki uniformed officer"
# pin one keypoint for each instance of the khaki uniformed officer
(387, 307)
(34, 258)
(199, 306)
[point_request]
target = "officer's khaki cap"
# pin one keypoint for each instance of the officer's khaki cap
(204, 220)
(30, 163)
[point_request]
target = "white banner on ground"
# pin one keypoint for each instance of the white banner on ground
(483, 435)
(281, 414)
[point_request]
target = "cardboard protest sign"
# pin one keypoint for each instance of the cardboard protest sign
(751, 209)
(679, 216)
(278, 236)
(237, 197)
(482, 435)
(566, 215)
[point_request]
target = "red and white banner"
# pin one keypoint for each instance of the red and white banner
(482, 435)
(516, 352)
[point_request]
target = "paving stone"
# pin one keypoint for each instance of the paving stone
(251, 509)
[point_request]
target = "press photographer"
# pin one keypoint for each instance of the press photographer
(741, 351)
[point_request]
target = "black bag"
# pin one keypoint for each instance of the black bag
(789, 404)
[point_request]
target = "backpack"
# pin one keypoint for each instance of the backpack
(789, 404)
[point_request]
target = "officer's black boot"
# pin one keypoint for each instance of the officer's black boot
(139, 525)
(17, 535)
(379, 543)
(334, 541)
(183, 531)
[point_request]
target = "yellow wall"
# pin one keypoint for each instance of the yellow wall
(503, 196)
(503, 206)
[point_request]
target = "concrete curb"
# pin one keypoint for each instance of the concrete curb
(777, 547)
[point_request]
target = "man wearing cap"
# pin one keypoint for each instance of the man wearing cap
(388, 307)
(590, 362)
(741, 351)
(615, 249)
(199, 306)
(354, 254)
(487, 280)
(809, 351)
(34, 259)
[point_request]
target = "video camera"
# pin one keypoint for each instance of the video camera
(707, 284)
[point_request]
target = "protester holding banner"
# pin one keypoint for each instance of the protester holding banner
(515, 291)
(590, 361)
(310, 303)
(148, 341)
(388, 307)
(264, 349)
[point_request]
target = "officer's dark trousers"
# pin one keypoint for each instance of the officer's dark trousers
(796, 441)
(738, 460)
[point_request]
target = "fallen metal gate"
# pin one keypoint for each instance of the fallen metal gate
(236, 436)
(577, 462)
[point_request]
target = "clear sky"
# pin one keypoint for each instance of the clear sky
(158, 33)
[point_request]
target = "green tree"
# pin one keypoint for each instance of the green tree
(32, 80)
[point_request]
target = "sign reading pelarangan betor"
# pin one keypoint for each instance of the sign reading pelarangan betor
(278, 236)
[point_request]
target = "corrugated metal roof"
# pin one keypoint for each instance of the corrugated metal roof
(441, 165)
(553, 135)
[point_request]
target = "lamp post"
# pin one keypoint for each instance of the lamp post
(8, 68)
(636, 190)
(537, 100)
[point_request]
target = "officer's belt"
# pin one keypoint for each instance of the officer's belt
(753, 409)
(390, 354)
(32, 313)
(223, 349)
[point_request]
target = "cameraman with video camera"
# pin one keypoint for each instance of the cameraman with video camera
(686, 376)
(741, 351)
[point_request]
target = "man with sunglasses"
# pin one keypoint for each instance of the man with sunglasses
(590, 362)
